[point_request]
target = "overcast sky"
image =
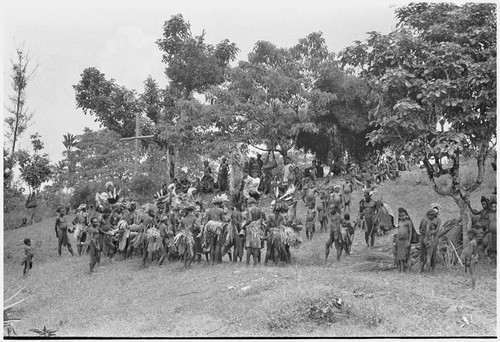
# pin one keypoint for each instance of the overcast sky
(118, 38)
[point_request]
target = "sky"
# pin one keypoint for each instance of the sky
(118, 38)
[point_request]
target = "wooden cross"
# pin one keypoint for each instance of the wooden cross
(136, 138)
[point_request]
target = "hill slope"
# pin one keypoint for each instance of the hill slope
(122, 299)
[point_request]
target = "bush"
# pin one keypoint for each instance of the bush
(85, 193)
(143, 187)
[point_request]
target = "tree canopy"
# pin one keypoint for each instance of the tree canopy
(434, 83)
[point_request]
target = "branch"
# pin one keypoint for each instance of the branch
(258, 148)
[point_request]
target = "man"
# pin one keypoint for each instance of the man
(428, 240)
(223, 175)
(334, 225)
(105, 228)
(320, 173)
(81, 223)
(207, 180)
(212, 229)
(61, 228)
(260, 163)
(253, 230)
(367, 210)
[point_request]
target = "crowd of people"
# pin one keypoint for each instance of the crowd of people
(183, 224)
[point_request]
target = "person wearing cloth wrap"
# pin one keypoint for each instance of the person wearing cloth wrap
(403, 241)
(367, 210)
(253, 230)
(428, 240)
(61, 228)
(223, 175)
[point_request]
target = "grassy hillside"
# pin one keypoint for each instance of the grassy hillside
(300, 299)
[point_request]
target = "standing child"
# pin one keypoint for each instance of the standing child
(403, 240)
(347, 233)
(336, 198)
(28, 257)
(310, 219)
(61, 228)
(469, 256)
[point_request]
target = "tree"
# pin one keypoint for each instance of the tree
(69, 143)
(434, 79)
(20, 116)
(35, 168)
(101, 156)
(344, 126)
(193, 66)
(269, 99)
(113, 106)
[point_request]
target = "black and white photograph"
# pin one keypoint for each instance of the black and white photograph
(249, 169)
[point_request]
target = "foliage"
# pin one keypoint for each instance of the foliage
(193, 65)
(101, 156)
(69, 142)
(34, 168)
(143, 187)
(436, 70)
(85, 193)
(344, 126)
(113, 106)
(270, 98)
(19, 115)
(45, 332)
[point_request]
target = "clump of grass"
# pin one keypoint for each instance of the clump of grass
(328, 310)
(285, 318)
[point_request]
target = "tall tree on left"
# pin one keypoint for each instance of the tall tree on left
(18, 114)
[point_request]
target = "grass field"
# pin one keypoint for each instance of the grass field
(232, 300)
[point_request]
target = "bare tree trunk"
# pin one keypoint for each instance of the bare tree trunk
(167, 176)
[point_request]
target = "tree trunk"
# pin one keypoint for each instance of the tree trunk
(167, 176)
(465, 216)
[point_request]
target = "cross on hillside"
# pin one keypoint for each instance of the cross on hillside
(136, 138)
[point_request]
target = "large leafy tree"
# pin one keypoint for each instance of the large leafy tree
(101, 156)
(344, 126)
(113, 106)
(434, 79)
(269, 99)
(193, 67)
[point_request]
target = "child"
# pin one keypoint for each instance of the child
(336, 198)
(28, 257)
(311, 216)
(321, 207)
(469, 255)
(403, 240)
(347, 233)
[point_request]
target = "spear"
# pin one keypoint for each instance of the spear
(458, 257)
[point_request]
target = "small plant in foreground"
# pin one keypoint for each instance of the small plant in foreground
(45, 332)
